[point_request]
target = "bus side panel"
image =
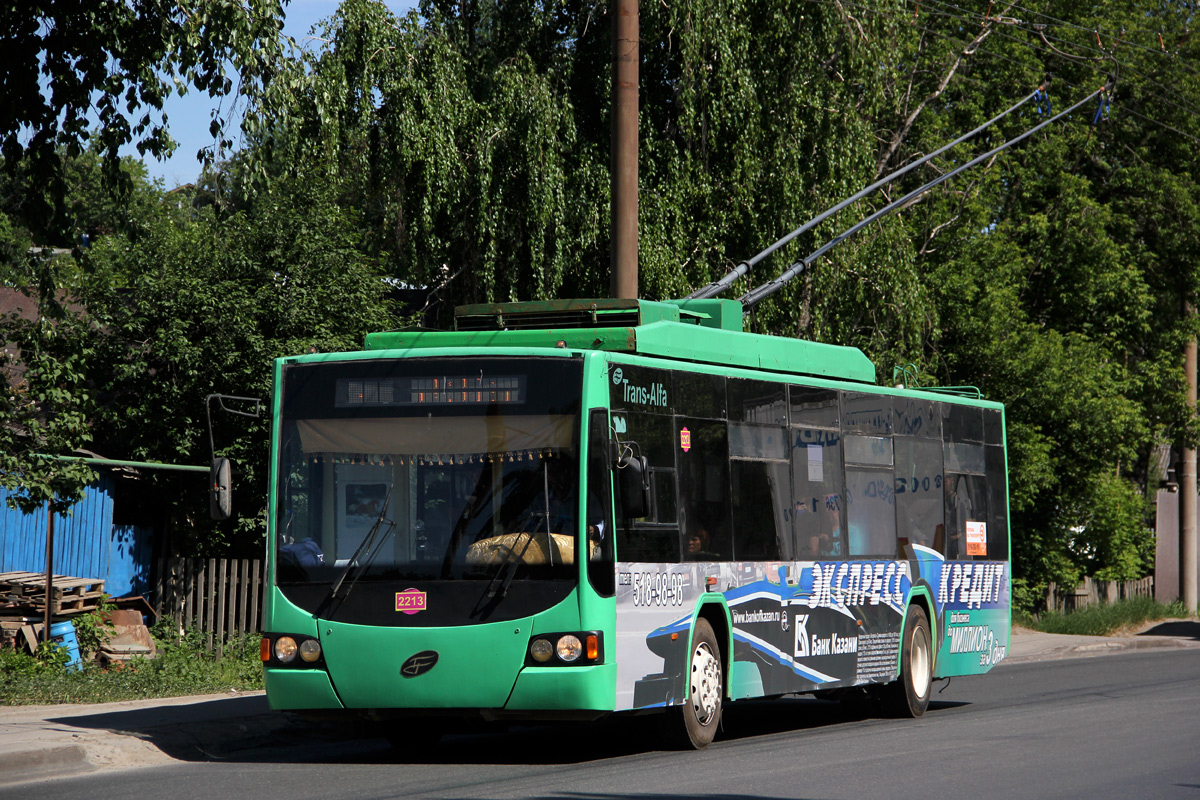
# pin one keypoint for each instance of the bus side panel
(805, 626)
(974, 616)
(654, 612)
(797, 627)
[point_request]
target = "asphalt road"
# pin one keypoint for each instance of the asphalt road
(1117, 726)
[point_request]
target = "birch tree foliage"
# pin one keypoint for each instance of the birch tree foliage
(475, 137)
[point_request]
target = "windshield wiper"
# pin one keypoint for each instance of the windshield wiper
(364, 547)
(508, 568)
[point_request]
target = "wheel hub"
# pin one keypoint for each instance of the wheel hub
(705, 683)
(921, 671)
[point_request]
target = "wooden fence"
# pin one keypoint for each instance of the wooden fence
(1093, 592)
(220, 596)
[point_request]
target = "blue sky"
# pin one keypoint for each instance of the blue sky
(188, 116)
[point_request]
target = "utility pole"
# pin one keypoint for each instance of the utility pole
(624, 166)
(49, 570)
(1187, 485)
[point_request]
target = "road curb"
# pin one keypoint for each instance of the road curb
(35, 763)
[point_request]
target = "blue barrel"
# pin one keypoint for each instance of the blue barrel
(63, 635)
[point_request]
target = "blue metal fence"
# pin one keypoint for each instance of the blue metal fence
(86, 543)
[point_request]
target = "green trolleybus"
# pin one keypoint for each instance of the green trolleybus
(567, 509)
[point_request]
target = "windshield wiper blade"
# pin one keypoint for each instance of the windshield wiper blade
(365, 546)
(508, 568)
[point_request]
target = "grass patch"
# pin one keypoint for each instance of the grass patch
(181, 668)
(1103, 620)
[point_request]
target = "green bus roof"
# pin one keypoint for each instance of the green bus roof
(703, 331)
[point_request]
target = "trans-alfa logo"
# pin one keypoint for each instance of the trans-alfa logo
(653, 395)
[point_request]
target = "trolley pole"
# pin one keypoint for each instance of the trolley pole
(1187, 489)
(624, 166)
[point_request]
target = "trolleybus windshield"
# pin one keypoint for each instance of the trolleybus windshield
(429, 470)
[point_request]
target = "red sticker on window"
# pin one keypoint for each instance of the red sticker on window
(410, 601)
(685, 439)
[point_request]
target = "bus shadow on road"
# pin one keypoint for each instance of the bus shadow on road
(244, 730)
(625, 736)
(796, 714)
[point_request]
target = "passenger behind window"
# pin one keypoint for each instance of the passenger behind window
(826, 540)
(697, 544)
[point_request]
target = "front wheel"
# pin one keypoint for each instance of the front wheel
(702, 710)
(908, 695)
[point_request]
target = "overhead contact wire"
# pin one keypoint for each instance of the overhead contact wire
(763, 291)
(717, 287)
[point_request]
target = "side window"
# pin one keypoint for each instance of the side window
(697, 394)
(870, 496)
(966, 516)
(870, 488)
(920, 509)
(996, 469)
(868, 414)
(814, 408)
(598, 511)
(965, 488)
(758, 402)
(818, 501)
(655, 537)
(702, 458)
(920, 512)
(762, 496)
(914, 416)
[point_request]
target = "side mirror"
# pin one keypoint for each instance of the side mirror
(633, 483)
(220, 496)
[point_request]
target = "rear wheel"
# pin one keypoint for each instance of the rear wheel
(702, 710)
(908, 695)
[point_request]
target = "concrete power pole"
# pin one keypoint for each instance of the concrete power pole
(1187, 489)
(625, 56)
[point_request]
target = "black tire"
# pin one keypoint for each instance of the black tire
(908, 695)
(701, 711)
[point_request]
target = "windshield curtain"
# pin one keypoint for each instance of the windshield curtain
(450, 484)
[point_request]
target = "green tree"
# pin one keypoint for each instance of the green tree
(80, 81)
(44, 409)
(113, 62)
(47, 408)
(205, 306)
(1060, 268)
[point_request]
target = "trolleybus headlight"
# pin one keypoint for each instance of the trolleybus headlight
(310, 650)
(541, 650)
(569, 648)
(285, 649)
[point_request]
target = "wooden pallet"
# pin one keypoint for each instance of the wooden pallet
(68, 595)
